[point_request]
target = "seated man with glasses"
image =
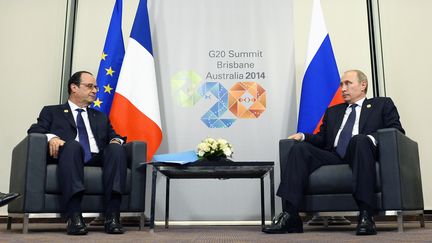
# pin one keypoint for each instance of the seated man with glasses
(80, 136)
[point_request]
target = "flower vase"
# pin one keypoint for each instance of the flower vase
(214, 160)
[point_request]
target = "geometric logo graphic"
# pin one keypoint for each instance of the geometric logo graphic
(247, 100)
(185, 86)
(212, 117)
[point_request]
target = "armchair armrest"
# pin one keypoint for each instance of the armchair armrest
(399, 171)
(28, 173)
(137, 154)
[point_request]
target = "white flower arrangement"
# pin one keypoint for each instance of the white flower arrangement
(214, 148)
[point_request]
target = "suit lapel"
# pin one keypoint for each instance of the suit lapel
(364, 114)
(67, 113)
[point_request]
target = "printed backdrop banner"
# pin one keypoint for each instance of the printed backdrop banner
(225, 69)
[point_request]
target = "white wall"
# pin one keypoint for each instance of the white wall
(91, 28)
(31, 49)
(407, 53)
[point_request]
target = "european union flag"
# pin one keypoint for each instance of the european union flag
(111, 61)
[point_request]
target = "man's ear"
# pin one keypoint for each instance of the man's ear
(364, 85)
(74, 87)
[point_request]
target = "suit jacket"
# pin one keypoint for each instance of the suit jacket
(376, 113)
(58, 120)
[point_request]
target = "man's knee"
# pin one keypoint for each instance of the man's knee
(114, 150)
(300, 152)
(114, 147)
(71, 158)
(361, 140)
(72, 146)
(362, 145)
(300, 148)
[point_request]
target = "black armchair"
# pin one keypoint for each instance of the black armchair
(398, 190)
(36, 181)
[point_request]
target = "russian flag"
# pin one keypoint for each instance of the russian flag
(135, 108)
(320, 88)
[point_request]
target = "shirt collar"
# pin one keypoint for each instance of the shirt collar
(73, 106)
(359, 103)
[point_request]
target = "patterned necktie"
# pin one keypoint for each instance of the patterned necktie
(83, 136)
(346, 132)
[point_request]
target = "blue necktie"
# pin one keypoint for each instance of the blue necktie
(83, 136)
(346, 133)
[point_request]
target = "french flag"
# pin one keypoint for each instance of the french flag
(320, 88)
(135, 108)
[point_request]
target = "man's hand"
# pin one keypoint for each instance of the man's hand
(114, 140)
(296, 136)
(54, 146)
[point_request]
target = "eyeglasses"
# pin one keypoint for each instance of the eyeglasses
(90, 86)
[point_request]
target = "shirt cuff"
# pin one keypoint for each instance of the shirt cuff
(50, 136)
(374, 141)
(118, 140)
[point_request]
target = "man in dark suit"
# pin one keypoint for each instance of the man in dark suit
(80, 136)
(348, 134)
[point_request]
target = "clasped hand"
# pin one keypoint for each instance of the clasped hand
(296, 136)
(54, 146)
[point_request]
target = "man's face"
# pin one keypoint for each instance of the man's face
(85, 93)
(352, 89)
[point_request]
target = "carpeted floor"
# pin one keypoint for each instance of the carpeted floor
(55, 232)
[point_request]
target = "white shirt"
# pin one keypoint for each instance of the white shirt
(93, 146)
(355, 130)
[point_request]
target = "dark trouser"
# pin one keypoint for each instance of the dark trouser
(71, 174)
(304, 158)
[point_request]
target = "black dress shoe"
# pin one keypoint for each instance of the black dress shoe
(76, 225)
(112, 224)
(285, 223)
(6, 198)
(366, 224)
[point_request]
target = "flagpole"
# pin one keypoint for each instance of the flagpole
(68, 42)
(373, 50)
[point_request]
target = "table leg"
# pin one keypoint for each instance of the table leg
(167, 196)
(142, 221)
(153, 199)
(272, 194)
(262, 203)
